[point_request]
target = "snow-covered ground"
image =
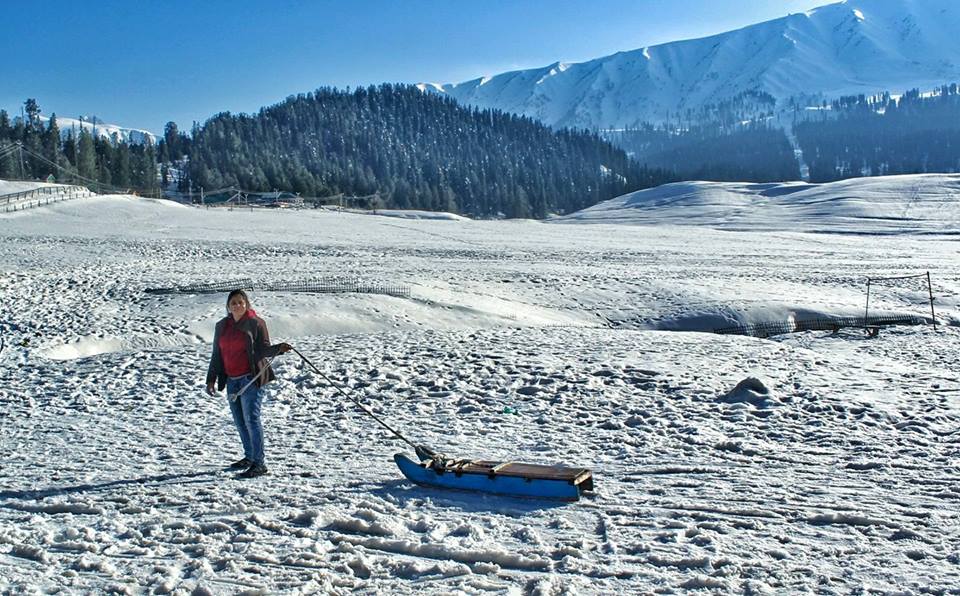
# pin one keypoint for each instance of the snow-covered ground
(916, 203)
(842, 477)
(8, 187)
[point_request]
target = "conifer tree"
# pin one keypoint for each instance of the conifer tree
(7, 167)
(6, 131)
(30, 134)
(171, 139)
(145, 168)
(32, 110)
(70, 149)
(86, 156)
(51, 145)
(120, 169)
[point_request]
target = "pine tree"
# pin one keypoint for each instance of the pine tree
(32, 110)
(51, 146)
(146, 170)
(86, 156)
(7, 165)
(120, 168)
(6, 131)
(33, 146)
(171, 138)
(70, 149)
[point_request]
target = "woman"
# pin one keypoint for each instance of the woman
(241, 347)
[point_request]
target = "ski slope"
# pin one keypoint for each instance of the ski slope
(836, 473)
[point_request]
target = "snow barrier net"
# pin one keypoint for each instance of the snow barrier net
(325, 286)
(915, 289)
(912, 289)
(768, 329)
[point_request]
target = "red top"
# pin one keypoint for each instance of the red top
(233, 348)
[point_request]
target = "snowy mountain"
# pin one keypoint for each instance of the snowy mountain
(99, 128)
(851, 47)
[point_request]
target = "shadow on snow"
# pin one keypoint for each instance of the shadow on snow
(185, 478)
(404, 492)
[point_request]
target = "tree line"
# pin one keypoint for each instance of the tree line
(410, 149)
(847, 137)
(407, 148)
(736, 139)
(73, 156)
(882, 135)
(754, 152)
(413, 150)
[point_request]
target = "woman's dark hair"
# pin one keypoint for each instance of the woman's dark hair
(240, 293)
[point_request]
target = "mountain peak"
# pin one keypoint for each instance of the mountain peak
(844, 48)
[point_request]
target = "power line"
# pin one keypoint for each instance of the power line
(56, 165)
(100, 186)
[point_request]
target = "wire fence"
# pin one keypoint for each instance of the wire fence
(43, 195)
(872, 323)
(327, 286)
(340, 287)
(205, 288)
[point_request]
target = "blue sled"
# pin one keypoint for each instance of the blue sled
(506, 478)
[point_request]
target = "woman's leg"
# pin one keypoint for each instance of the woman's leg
(252, 402)
(237, 409)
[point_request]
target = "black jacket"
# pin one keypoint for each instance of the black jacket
(258, 350)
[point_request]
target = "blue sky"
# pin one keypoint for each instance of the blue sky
(141, 63)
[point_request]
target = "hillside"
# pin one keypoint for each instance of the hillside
(100, 129)
(398, 147)
(926, 203)
(847, 48)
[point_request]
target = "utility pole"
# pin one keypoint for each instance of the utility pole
(23, 119)
(20, 148)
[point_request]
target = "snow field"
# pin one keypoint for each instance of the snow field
(841, 476)
(917, 203)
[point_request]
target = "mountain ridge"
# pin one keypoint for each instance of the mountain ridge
(845, 48)
(98, 128)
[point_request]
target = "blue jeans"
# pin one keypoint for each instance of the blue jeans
(246, 415)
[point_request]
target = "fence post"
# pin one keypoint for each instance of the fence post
(933, 314)
(866, 311)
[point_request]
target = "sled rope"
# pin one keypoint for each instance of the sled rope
(359, 405)
(252, 381)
